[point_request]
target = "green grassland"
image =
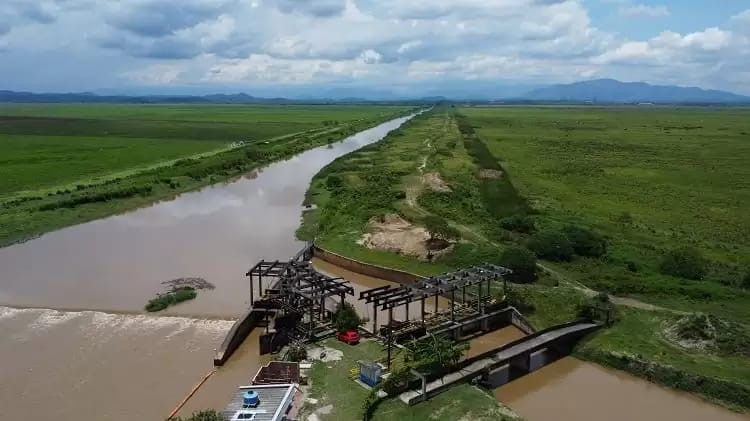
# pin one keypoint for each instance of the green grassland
(650, 180)
(332, 384)
(616, 171)
(65, 164)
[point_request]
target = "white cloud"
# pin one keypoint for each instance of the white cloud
(644, 11)
(238, 42)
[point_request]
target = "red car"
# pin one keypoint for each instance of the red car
(350, 337)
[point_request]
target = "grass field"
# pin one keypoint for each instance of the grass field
(332, 384)
(69, 163)
(650, 180)
(647, 180)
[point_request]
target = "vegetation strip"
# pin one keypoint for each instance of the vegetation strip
(62, 149)
(556, 216)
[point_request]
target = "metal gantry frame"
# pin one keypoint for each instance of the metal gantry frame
(389, 297)
(296, 287)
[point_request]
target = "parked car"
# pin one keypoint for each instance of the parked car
(350, 337)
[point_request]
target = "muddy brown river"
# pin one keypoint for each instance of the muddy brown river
(94, 357)
(103, 365)
(570, 389)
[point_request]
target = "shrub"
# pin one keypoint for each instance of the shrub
(586, 242)
(439, 228)
(297, 351)
(175, 296)
(370, 403)
(520, 299)
(397, 381)
(522, 262)
(746, 280)
(551, 245)
(334, 182)
(598, 308)
(519, 223)
(685, 262)
(346, 318)
(436, 354)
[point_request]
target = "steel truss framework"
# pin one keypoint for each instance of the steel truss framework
(447, 284)
(296, 287)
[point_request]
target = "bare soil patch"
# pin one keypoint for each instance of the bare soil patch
(433, 181)
(394, 234)
(488, 174)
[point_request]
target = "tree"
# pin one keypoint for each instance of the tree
(436, 353)
(684, 262)
(397, 381)
(522, 262)
(598, 308)
(746, 280)
(586, 242)
(520, 299)
(346, 318)
(551, 245)
(519, 223)
(439, 228)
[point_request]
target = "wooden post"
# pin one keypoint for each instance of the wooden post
(436, 303)
(375, 317)
(407, 311)
(463, 295)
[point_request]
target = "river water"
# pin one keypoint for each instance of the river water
(75, 363)
(570, 389)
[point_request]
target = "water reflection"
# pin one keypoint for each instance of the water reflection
(118, 263)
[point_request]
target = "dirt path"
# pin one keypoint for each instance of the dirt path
(622, 301)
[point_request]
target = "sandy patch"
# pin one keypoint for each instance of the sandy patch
(323, 353)
(488, 174)
(394, 234)
(433, 182)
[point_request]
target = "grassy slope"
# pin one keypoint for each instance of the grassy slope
(384, 178)
(331, 385)
(474, 207)
(120, 156)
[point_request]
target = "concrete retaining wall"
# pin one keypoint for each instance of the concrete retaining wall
(389, 274)
(236, 335)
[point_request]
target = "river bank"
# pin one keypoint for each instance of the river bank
(29, 213)
(388, 181)
(118, 263)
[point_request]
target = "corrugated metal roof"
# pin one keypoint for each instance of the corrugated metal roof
(274, 402)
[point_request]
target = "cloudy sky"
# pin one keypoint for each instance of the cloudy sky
(377, 47)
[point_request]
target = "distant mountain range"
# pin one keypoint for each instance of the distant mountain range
(614, 91)
(603, 91)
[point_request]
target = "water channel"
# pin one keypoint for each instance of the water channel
(94, 357)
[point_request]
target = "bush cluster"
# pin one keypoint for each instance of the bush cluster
(522, 262)
(519, 223)
(551, 245)
(175, 296)
(98, 197)
(684, 262)
(572, 240)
